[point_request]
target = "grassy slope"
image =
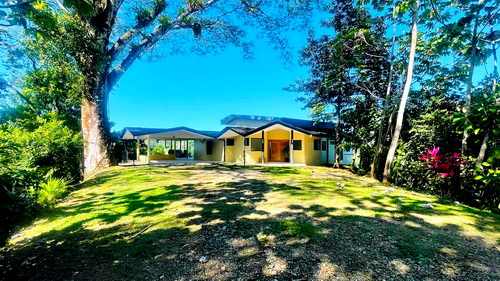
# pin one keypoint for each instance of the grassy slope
(231, 223)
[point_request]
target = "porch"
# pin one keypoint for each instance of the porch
(174, 146)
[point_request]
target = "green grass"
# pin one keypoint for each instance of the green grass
(258, 223)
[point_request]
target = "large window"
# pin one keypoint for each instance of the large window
(297, 144)
(209, 147)
(317, 144)
(256, 144)
(230, 142)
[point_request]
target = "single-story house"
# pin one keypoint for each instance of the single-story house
(247, 139)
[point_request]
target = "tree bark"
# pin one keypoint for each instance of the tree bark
(95, 129)
(484, 145)
(468, 92)
(97, 146)
(378, 151)
(337, 137)
(404, 98)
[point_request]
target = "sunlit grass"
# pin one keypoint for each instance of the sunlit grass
(129, 215)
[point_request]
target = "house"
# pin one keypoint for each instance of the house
(247, 139)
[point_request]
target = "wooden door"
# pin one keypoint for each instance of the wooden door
(278, 150)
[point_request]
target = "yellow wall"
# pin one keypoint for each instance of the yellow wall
(312, 157)
(200, 150)
(162, 157)
(298, 155)
(308, 156)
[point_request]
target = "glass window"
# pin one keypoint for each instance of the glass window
(257, 144)
(209, 147)
(323, 145)
(230, 142)
(317, 144)
(247, 141)
(297, 144)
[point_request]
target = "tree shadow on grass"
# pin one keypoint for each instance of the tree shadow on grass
(225, 236)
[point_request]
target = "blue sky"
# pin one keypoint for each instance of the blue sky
(198, 91)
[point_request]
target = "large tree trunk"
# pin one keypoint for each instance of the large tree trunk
(404, 98)
(95, 65)
(95, 130)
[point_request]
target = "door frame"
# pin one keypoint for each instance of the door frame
(269, 154)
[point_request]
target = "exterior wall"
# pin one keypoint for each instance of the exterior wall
(200, 150)
(299, 155)
(234, 154)
(255, 157)
(312, 157)
(308, 156)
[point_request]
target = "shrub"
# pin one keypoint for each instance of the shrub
(158, 150)
(50, 190)
(28, 151)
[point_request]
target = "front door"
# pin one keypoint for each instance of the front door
(278, 150)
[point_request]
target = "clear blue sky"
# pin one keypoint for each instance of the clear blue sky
(198, 91)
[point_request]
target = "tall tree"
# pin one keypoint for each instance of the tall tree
(345, 68)
(404, 97)
(104, 44)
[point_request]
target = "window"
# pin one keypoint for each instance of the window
(323, 145)
(332, 142)
(257, 144)
(247, 141)
(297, 144)
(341, 155)
(209, 147)
(230, 142)
(317, 144)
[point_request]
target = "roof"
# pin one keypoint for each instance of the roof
(296, 128)
(307, 127)
(304, 124)
(137, 131)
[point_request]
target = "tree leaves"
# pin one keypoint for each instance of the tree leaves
(82, 7)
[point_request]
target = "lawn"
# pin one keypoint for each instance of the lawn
(258, 223)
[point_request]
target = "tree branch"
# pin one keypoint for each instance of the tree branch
(146, 43)
(23, 98)
(368, 91)
(128, 36)
(61, 6)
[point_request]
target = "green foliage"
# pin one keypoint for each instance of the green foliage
(49, 191)
(158, 150)
(29, 149)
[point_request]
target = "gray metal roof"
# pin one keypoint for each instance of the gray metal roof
(303, 124)
(138, 131)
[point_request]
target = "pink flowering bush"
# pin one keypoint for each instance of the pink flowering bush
(442, 165)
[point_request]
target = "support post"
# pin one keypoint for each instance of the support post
(327, 151)
(149, 149)
(262, 146)
(224, 151)
(137, 151)
(291, 147)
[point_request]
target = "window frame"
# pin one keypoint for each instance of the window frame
(297, 145)
(209, 147)
(317, 145)
(261, 147)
